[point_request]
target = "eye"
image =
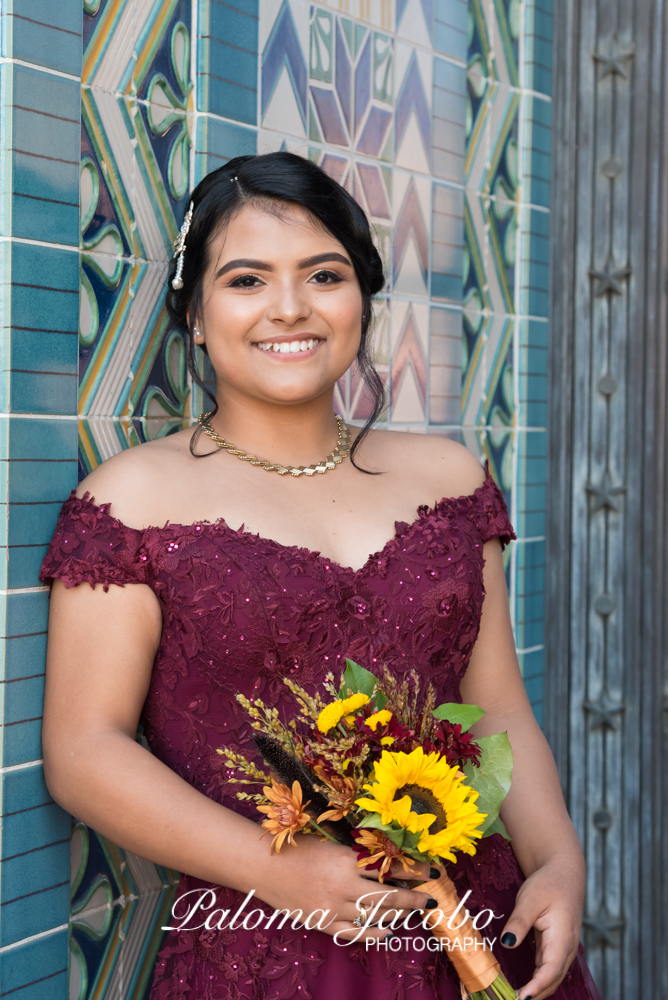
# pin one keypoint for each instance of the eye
(246, 281)
(326, 278)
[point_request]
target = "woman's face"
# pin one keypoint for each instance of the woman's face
(282, 307)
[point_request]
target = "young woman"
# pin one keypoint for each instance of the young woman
(179, 581)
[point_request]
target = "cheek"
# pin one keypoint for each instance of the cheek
(342, 312)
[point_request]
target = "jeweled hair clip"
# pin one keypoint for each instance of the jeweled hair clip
(180, 248)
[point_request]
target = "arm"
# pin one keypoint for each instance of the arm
(534, 812)
(100, 656)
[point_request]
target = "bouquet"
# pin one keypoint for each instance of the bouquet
(369, 764)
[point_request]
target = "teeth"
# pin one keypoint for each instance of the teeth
(288, 346)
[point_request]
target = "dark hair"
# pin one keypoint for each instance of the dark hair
(278, 177)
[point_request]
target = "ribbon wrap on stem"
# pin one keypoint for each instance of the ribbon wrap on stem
(476, 966)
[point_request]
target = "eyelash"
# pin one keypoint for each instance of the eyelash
(238, 282)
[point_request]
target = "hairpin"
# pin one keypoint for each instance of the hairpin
(180, 247)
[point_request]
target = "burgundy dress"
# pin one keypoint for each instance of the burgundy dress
(240, 613)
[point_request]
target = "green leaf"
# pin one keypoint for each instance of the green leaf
(396, 835)
(492, 779)
(380, 700)
(358, 680)
(374, 821)
(456, 714)
(497, 827)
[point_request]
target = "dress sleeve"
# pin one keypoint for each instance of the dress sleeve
(91, 546)
(489, 512)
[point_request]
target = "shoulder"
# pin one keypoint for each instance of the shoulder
(438, 466)
(142, 471)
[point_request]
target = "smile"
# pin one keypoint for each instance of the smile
(288, 346)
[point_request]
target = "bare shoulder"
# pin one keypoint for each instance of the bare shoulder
(438, 466)
(137, 472)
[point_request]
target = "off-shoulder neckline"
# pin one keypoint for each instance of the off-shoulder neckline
(423, 511)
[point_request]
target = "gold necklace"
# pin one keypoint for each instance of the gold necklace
(341, 451)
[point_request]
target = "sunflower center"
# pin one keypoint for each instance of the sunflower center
(423, 801)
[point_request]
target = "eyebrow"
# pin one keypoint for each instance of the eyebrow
(261, 265)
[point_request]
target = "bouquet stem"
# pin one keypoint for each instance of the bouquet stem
(475, 964)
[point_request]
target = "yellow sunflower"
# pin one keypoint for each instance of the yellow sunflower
(422, 793)
(332, 714)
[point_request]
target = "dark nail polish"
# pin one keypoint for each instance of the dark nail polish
(434, 873)
(391, 936)
(529, 997)
(509, 940)
(431, 904)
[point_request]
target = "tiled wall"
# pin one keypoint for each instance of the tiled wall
(436, 115)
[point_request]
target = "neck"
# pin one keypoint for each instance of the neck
(291, 434)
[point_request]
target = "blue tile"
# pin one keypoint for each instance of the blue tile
(41, 481)
(446, 286)
(34, 828)
(32, 524)
(40, 134)
(542, 79)
(25, 655)
(233, 65)
(534, 687)
(42, 439)
(540, 165)
(53, 47)
(448, 76)
(27, 614)
(532, 663)
(43, 351)
(35, 871)
(45, 289)
(21, 743)
(49, 94)
(451, 28)
(67, 14)
(45, 219)
(232, 101)
(42, 962)
(217, 142)
(58, 271)
(24, 789)
(33, 392)
(35, 914)
(24, 699)
(236, 27)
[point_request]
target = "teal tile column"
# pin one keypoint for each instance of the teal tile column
(39, 303)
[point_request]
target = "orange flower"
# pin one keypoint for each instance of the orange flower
(376, 841)
(342, 795)
(286, 817)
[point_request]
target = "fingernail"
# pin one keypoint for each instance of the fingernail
(391, 936)
(434, 873)
(431, 904)
(509, 940)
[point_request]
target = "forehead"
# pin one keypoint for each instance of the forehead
(274, 226)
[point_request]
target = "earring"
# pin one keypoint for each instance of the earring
(197, 334)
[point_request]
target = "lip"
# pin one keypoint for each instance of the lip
(289, 356)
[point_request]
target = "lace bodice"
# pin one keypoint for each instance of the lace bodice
(240, 613)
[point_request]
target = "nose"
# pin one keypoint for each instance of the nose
(289, 305)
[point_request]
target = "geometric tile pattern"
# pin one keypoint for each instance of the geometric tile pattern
(504, 382)
(427, 113)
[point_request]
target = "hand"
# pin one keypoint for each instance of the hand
(550, 901)
(319, 875)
